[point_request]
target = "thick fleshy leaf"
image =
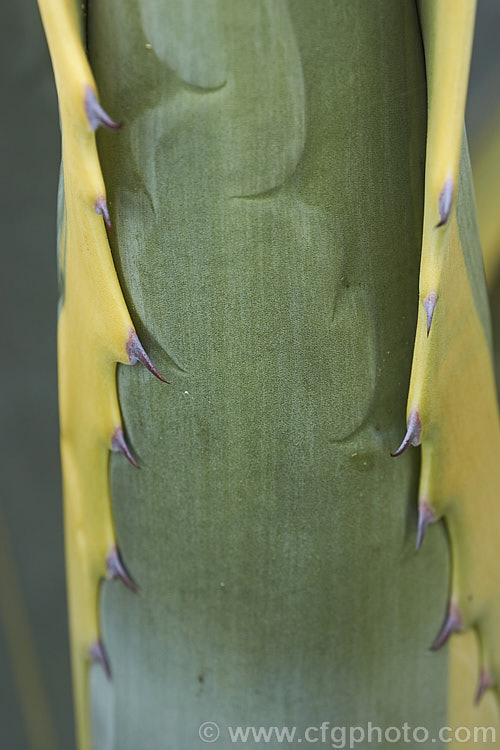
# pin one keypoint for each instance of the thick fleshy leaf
(267, 237)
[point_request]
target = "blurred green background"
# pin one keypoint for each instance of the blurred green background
(33, 628)
(30, 494)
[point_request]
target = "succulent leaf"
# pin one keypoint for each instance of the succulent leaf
(93, 332)
(452, 381)
(256, 227)
(254, 232)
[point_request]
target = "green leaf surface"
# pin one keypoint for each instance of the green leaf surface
(266, 196)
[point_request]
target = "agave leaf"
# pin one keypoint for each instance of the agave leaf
(266, 238)
(265, 195)
(94, 331)
(460, 438)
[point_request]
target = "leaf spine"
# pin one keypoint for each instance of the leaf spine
(485, 682)
(137, 353)
(99, 656)
(426, 516)
(429, 305)
(117, 570)
(452, 624)
(101, 208)
(119, 445)
(445, 202)
(412, 436)
(96, 115)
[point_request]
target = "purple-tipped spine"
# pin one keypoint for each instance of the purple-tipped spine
(119, 445)
(137, 353)
(452, 624)
(412, 436)
(96, 115)
(426, 516)
(99, 656)
(101, 208)
(445, 203)
(430, 305)
(485, 682)
(117, 570)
